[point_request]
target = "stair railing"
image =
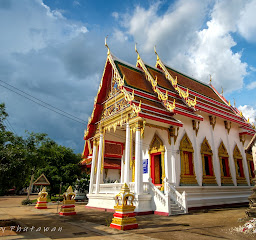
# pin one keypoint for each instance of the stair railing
(178, 198)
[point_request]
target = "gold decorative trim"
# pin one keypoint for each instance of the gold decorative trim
(102, 156)
(171, 134)
(238, 156)
(174, 82)
(222, 152)
(242, 139)
(195, 128)
(186, 146)
(131, 132)
(143, 128)
(227, 126)
(206, 150)
(212, 121)
(157, 146)
(162, 97)
(133, 170)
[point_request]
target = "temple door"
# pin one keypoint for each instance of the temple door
(156, 168)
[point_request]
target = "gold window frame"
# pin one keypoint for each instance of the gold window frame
(222, 152)
(186, 146)
(237, 155)
(206, 150)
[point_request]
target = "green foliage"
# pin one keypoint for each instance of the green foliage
(56, 198)
(82, 184)
(26, 202)
(20, 157)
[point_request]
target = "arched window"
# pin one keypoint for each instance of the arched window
(187, 176)
(226, 178)
(156, 151)
(239, 166)
(250, 167)
(208, 171)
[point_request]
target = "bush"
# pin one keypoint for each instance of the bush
(26, 202)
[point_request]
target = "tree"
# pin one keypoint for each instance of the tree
(37, 153)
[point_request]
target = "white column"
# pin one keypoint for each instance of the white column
(138, 162)
(231, 161)
(127, 155)
(197, 161)
(216, 161)
(122, 170)
(94, 154)
(99, 164)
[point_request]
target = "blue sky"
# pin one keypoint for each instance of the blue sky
(54, 50)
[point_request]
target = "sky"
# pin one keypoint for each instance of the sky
(54, 50)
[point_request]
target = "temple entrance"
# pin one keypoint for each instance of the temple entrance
(156, 151)
(156, 168)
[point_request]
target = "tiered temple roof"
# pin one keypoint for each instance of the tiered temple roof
(161, 93)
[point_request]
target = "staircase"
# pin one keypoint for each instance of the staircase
(171, 202)
(175, 209)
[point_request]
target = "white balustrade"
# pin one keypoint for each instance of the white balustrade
(157, 193)
(178, 198)
(110, 188)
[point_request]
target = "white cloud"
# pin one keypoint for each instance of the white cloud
(247, 23)
(251, 86)
(115, 15)
(76, 3)
(248, 112)
(185, 43)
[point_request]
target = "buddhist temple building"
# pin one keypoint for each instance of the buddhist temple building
(175, 141)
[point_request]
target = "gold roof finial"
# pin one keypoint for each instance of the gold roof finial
(210, 79)
(106, 45)
(156, 53)
(234, 102)
(229, 104)
(137, 51)
(222, 91)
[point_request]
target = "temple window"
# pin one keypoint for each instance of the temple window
(239, 167)
(187, 176)
(250, 167)
(208, 172)
(224, 165)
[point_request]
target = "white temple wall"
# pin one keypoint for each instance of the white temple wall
(254, 154)
(172, 154)
(112, 175)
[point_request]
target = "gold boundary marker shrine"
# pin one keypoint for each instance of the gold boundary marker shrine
(42, 199)
(124, 216)
(68, 206)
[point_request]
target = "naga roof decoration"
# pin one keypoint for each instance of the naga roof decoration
(158, 93)
(174, 82)
(162, 97)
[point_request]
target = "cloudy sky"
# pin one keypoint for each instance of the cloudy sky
(54, 50)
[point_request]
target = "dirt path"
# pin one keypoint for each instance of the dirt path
(92, 224)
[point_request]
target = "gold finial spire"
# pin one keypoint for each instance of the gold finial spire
(248, 120)
(137, 51)
(222, 91)
(210, 79)
(106, 45)
(234, 102)
(229, 104)
(156, 53)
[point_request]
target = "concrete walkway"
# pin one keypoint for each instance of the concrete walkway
(91, 224)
